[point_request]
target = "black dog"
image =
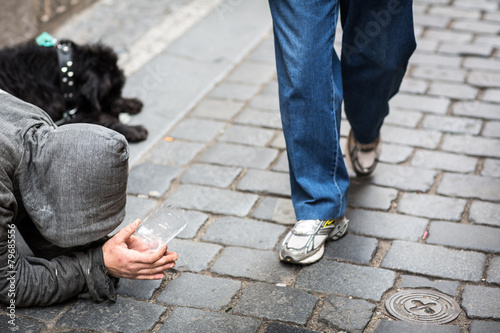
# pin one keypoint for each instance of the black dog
(85, 79)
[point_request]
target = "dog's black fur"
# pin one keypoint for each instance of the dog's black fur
(31, 73)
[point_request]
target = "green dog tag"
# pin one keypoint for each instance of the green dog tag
(45, 39)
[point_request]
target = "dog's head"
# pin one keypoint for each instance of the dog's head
(99, 80)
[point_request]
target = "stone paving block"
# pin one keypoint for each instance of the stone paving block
(432, 206)
(493, 275)
(481, 302)
(386, 326)
(151, 179)
(24, 325)
(244, 232)
(44, 313)
(429, 20)
(413, 86)
(136, 208)
(488, 39)
(140, 289)
(234, 91)
(194, 320)
(452, 124)
(478, 326)
(264, 52)
(353, 248)
(266, 182)
(347, 314)
(486, 5)
(453, 90)
(439, 74)
(195, 221)
(429, 104)
(428, 45)
(470, 186)
(429, 159)
(268, 102)
(492, 17)
(434, 59)
(195, 129)
(491, 168)
(386, 225)
(211, 175)
(259, 118)
(193, 256)
(276, 303)
(482, 64)
(254, 264)
(174, 153)
(477, 26)
(282, 163)
(466, 236)
(484, 79)
(247, 135)
(448, 36)
(492, 95)
(327, 276)
(485, 213)
(199, 291)
(394, 153)
(271, 88)
(370, 196)
(435, 261)
(471, 145)
(402, 117)
(492, 129)
(418, 282)
(476, 109)
(214, 200)
(252, 72)
(140, 316)
(422, 138)
(450, 11)
(220, 109)
(479, 50)
(277, 210)
(280, 328)
(402, 177)
(279, 141)
(238, 155)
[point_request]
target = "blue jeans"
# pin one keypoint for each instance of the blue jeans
(377, 41)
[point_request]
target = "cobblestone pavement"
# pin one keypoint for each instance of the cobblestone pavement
(429, 217)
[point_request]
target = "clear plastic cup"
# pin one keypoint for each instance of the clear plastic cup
(161, 226)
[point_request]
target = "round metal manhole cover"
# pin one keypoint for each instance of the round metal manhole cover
(422, 306)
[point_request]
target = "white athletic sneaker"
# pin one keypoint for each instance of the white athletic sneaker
(305, 243)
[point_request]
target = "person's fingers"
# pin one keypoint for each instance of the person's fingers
(124, 234)
(155, 270)
(142, 266)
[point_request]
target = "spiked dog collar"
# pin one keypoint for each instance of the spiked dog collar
(66, 72)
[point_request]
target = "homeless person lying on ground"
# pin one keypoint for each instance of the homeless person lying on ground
(64, 188)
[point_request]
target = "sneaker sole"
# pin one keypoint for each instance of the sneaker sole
(337, 233)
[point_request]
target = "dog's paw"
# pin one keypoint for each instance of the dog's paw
(127, 105)
(136, 133)
(132, 105)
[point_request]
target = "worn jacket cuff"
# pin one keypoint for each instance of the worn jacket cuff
(100, 286)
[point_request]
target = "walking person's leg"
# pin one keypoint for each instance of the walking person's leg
(378, 40)
(310, 92)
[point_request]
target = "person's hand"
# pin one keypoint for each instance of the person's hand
(126, 256)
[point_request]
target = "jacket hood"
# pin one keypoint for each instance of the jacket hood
(73, 181)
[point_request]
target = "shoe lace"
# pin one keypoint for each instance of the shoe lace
(306, 227)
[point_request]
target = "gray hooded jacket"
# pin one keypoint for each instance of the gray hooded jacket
(64, 188)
